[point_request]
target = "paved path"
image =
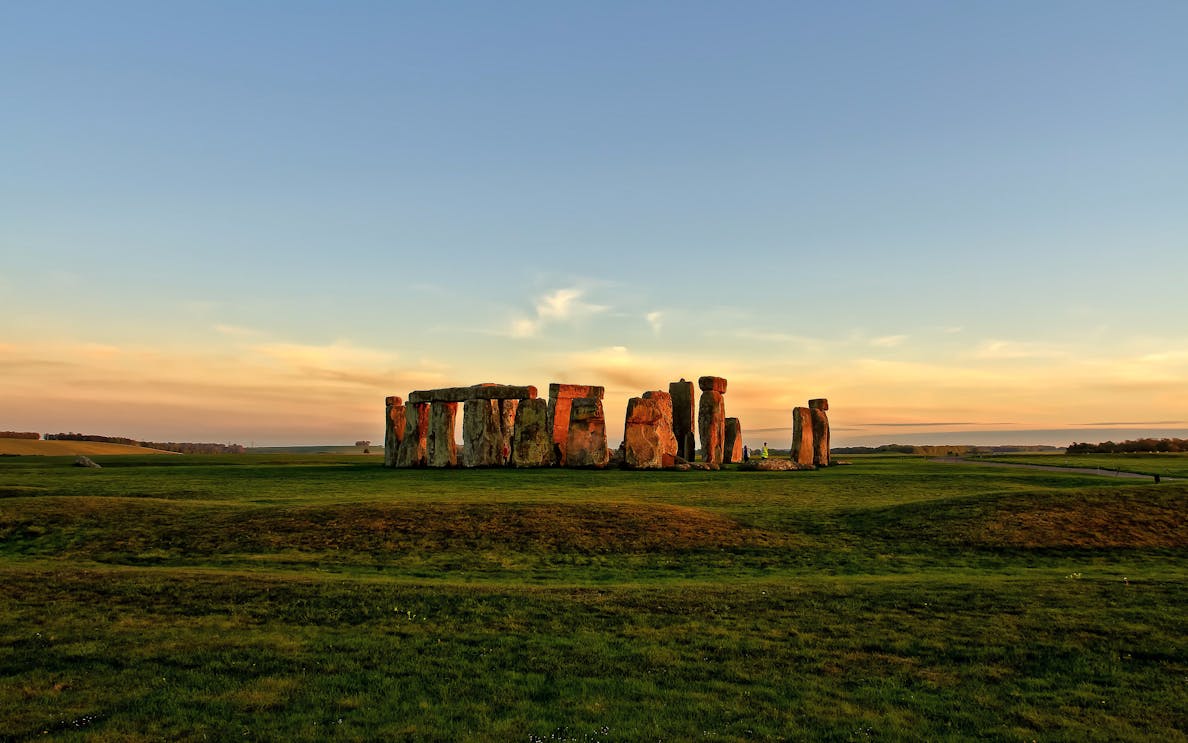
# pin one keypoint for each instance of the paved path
(1049, 468)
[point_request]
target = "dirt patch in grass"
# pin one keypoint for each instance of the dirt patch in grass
(1096, 524)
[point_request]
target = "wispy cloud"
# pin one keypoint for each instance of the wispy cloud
(655, 320)
(562, 305)
(1006, 350)
(236, 331)
(888, 341)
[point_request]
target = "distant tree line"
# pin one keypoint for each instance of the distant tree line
(939, 451)
(179, 447)
(1135, 446)
(191, 448)
(19, 435)
(91, 437)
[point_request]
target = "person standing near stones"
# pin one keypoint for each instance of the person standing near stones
(746, 453)
(763, 454)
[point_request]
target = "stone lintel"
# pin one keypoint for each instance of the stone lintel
(477, 392)
(572, 391)
(712, 384)
(393, 400)
(819, 404)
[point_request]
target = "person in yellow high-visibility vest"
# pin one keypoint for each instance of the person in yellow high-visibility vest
(763, 454)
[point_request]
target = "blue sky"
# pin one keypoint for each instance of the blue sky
(214, 215)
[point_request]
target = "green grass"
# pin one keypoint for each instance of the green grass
(309, 598)
(1167, 465)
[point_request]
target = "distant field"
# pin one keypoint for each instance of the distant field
(31, 447)
(283, 597)
(1168, 465)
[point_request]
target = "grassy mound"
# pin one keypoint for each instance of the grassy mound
(30, 447)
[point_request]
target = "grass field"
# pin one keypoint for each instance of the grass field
(273, 597)
(31, 447)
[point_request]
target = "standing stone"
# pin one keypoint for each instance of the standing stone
(507, 425)
(683, 403)
(802, 436)
(393, 429)
(532, 445)
(482, 433)
(414, 446)
(648, 441)
(820, 436)
(732, 449)
(560, 402)
(711, 425)
(443, 451)
(586, 443)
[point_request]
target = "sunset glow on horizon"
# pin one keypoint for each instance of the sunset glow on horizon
(961, 224)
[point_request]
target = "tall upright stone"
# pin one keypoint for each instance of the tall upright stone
(443, 451)
(482, 433)
(586, 444)
(683, 405)
(560, 403)
(711, 425)
(820, 431)
(414, 447)
(393, 429)
(507, 425)
(648, 440)
(532, 442)
(802, 437)
(732, 448)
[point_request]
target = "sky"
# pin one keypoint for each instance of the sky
(251, 222)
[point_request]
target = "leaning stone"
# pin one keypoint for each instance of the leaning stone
(733, 444)
(586, 443)
(712, 384)
(820, 437)
(532, 446)
(393, 429)
(819, 404)
(443, 451)
(772, 465)
(648, 441)
(482, 433)
(683, 417)
(711, 425)
(802, 436)
(81, 461)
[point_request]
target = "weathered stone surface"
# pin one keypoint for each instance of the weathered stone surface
(532, 446)
(819, 404)
(393, 429)
(443, 451)
(572, 391)
(732, 448)
(820, 437)
(482, 433)
(683, 404)
(558, 423)
(711, 425)
(712, 384)
(648, 441)
(486, 391)
(81, 461)
(414, 446)
(802, 437)
(586, 443)
(561, 397)
(507, 422)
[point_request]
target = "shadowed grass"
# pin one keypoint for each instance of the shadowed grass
(292, 598)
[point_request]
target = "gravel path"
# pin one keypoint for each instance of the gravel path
(1049, 468)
